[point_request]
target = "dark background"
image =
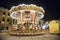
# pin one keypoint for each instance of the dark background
(52, 7)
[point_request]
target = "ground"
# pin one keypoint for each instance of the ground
(4, 36)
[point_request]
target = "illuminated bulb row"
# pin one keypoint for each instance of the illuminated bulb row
(28, 6)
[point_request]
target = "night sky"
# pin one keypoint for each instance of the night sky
(52, 7)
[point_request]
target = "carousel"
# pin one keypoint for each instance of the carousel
(27, 19)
